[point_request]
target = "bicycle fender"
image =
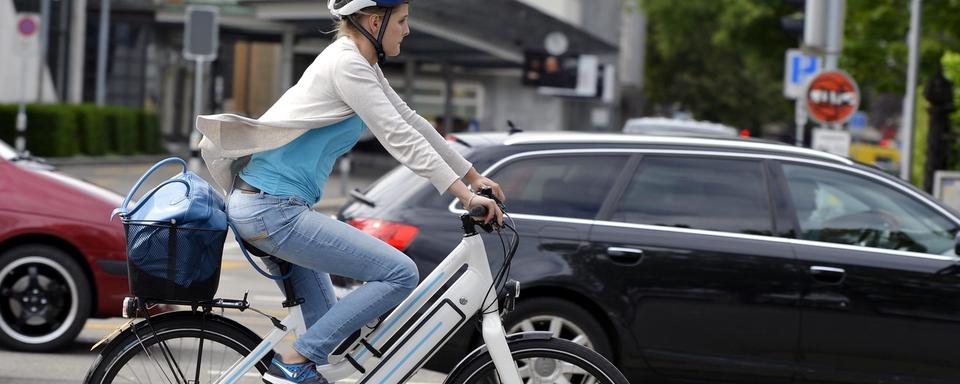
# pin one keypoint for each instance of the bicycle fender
(143, 327)
(481, 350)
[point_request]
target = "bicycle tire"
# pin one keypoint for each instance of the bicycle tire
(224, 343)
(544, 361)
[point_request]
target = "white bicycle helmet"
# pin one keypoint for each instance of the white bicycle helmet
(349, 8)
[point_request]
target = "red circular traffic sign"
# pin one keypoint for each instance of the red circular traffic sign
(832, 97)
(26, 26)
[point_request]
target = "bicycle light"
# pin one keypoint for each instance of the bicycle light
(508, 298)
(129, 307)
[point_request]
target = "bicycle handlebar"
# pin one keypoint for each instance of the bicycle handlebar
(478, 211)
(481, 210)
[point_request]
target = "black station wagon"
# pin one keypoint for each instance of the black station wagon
(704, 259)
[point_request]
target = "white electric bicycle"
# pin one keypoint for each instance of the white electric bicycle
(200, 346)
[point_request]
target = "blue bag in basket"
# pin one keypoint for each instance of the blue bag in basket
(175, 236)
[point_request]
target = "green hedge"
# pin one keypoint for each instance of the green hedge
(150, 141)
(8, 121)
(65, 130)
(93, 130)
(122, 127)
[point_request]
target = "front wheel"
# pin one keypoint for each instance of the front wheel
(544, 361)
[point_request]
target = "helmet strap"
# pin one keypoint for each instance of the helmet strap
(376, 41)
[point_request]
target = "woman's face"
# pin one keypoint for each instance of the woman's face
(397, 29)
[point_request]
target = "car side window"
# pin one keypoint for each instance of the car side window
(717, 194)
(572, 186)
(838, 207)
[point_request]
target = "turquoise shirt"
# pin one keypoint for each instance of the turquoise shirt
(301, 167)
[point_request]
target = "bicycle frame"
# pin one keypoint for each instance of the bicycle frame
(392, 351)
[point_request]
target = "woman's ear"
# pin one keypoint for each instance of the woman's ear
(374, 22)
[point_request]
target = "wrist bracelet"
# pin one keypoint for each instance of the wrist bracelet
(470, 201)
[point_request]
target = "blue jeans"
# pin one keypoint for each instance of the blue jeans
(318, 245)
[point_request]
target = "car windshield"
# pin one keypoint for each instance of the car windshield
(6, 152)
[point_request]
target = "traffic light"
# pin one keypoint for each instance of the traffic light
(809, 21)
(792, 24)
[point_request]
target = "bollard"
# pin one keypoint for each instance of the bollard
(21, 140)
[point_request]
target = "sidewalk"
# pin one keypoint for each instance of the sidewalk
(119, 173)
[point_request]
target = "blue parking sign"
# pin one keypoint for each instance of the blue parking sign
(799, 68)
(857, 121)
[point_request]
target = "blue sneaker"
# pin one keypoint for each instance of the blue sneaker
(303, 373)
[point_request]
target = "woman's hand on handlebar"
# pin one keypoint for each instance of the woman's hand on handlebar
(470, 200)
(479, 182)
(493, 210)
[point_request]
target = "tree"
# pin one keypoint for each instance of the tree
(721, 60)
(875, 49)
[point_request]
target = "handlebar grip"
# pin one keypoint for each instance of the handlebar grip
(478, 211)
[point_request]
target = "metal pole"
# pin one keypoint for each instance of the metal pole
(814, 25)
(194, 163)
(42, 55)
(60, 81)
(286, 64)
(409, 77)
(102, 52)
(800, 118)
(197, 86)
(906, 134)
(345, 175)
(78, 31)
(448, 98)
(21, 141)
(834, 44)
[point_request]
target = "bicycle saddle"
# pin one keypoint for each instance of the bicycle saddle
(254, 250)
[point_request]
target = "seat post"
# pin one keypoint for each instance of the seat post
(291, 299)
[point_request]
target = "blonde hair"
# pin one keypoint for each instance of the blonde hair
(345, 28)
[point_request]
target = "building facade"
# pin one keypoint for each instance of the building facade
(462, 66)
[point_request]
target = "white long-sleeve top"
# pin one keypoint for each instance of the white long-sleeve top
(339, 83)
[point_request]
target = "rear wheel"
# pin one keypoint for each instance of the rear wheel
(172, 351)
(45, 298)
(544, 361)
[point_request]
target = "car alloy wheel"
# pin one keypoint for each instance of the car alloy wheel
(560, 327)
(562, 318)
(44, 298)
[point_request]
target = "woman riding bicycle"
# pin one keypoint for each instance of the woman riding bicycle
(275, 168)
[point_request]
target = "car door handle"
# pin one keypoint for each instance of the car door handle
(829, 275)
(627, 256)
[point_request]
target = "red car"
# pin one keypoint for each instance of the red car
(62, 259)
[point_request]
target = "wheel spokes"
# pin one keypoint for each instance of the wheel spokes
(525, 371)
(582, 340)
(571, 369)
(34, 282)
(527, 326)
(556, 325)
(181, 360)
